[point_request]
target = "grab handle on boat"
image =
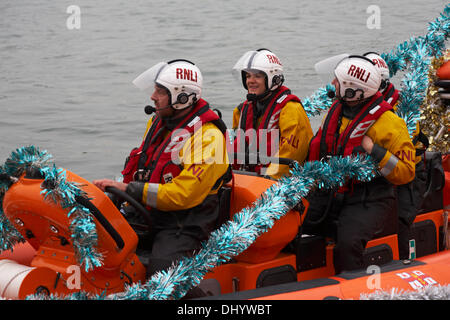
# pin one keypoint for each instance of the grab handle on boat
(102, 220)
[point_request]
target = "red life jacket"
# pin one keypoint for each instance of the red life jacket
(391, 95)
(328, 141)
(269, 122)
(152, 161)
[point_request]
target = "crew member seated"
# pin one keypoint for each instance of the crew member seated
(272, 121)
(180, 165)
(358, 122)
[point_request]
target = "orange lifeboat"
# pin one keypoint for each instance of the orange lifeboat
(268, 269)
(443, 72)
(48, 253)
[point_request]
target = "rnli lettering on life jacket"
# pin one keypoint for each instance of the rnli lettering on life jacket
(292, 141)
(358, 73)
(196, 171)
(186, 74)
(325, 143)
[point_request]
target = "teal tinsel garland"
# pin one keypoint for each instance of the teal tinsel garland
(238, 234)
(60, 191)
(434, 40)
(414, 86)
(9, 236)
(82, 225)
(417, 52)
(318, 101)
(15, 166)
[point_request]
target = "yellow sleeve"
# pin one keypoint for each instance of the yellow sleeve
(204, 160)
(295, 135)
(393, 148)
(236, 117)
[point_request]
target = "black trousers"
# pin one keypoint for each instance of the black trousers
(410, 197)
(178, 234)
(352, 219)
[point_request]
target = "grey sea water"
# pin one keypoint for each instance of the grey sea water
(69, 90)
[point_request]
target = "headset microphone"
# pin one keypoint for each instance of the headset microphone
(149, 109)
(331, 94)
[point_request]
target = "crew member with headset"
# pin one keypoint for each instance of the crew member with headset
(272, 121)
(410, 195)
(180, 165)
(358, 122)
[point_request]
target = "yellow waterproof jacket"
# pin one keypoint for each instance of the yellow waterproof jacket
(393, 148)
(204, 160)
(295, 134)
(416, 132)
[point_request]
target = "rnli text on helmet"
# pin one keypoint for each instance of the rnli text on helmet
(379, 63)
(273, 59)
(358, 73)
(186, 74)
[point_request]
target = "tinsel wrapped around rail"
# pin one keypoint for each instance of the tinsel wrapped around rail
(82, 226)
(417, 51)
(414, 86)
(18, 162)
(319, 101)
(58, 190)
(434, 43)
(236, 235)
(430, 292)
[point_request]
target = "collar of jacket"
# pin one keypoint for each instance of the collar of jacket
(351, 112)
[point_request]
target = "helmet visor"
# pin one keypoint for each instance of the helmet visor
(244, 64)
(147, 79)
(325, 68)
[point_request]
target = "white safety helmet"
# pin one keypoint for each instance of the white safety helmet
(182, 79)
(358, 78)
(382, 67)
(261, 60)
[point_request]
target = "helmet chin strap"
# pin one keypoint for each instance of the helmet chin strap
(355, 103)
(384, 85)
